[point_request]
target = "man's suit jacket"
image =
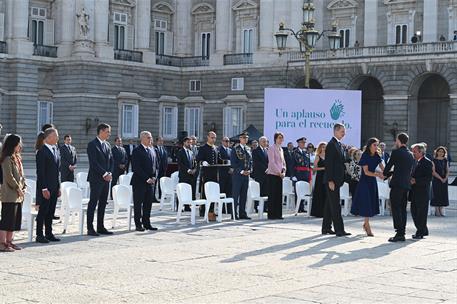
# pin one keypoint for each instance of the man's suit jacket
(100, 161)
(224, 154)
(385, 157)
(162, 160)
(240, 160)
(290, 162)
(128, 151)
(68, 158)
(403, 161)
(184, 164)
(423, 176)
(334, 163)
(47, 172)
(143, 167)
(119, 158)
(260, 165)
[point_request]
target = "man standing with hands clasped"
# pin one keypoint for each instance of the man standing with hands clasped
(241, 162)
(402, 161)
(334, 179)
(145, 167)
(100, 174)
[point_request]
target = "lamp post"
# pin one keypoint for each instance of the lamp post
(307, 36)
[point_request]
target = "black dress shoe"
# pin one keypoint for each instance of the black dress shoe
(244, 217)
(41, 239)
(417, 236)
(92, 233)
(140, 229)
(324, 232)
(149, 227)
(52, 238)
(397, 238)
(104, 231)
(344, 233)
(56, 218)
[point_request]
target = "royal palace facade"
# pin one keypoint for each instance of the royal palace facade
(199, 65)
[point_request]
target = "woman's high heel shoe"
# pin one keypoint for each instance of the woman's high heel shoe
(367, 230)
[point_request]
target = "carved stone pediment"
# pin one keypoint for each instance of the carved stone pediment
(129, 3)
(164, 8)
(342, 4)
(203, 8)
(244, 5)
(393, 2)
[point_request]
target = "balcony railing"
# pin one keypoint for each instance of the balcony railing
(45, 51)
(177, 61)
(379, 51)
(3, 47)
(242, 58)
(128, 55)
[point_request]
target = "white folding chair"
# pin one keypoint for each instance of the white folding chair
(303, 192)
(168, 192)
(64, 199)
(287, 192)
(175, 178)
(184, 193)
(122, 197)
(31, 187)
(384, 193)
(125, 179)
(213, 195)
(83, 184)
(345, 196)
(29, 214)
(254, 196)
(75, 205)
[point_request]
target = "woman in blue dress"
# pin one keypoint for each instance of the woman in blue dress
(366, 199)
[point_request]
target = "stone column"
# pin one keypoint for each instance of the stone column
(66, 23)
(370, 34)
(18, 42)
(396, 112)
(296, 19)
(223, 28)
(143, 30)
(267, 26)
(452, 139)
(102, 15)
(430, 28)
(183, 33)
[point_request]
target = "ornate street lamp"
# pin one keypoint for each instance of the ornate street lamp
(307, 36)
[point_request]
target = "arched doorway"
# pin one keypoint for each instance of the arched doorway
(372, 107)
(433, 111)
(313, 84)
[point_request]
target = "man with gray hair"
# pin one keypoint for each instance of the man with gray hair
(420, 190)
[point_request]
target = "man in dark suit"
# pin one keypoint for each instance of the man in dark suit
(384, 155)
(289, 158)
(402, 160)
(241, 163)
(68, 160)
(187, 166)
(100, 174)
(162, 156)
(145, 171)
(129, 150)
(260, 165)
(225, 177)
(120, 160)
(48, 187)
(421, 179)
(334, 179)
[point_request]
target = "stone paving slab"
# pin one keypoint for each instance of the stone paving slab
(257, 261)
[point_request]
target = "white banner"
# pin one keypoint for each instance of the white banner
(312, 114)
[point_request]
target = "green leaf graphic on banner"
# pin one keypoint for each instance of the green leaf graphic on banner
(337, 110)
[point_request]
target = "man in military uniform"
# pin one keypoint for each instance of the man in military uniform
(207, 157)
(302, 169)
(241, 162)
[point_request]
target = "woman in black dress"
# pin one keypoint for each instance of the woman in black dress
(440, 198)
(317, 207)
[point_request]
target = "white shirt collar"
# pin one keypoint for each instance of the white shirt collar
(337, 139)
(50, 147)
(101, 141)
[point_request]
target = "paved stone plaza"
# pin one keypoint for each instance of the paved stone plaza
(258, 261)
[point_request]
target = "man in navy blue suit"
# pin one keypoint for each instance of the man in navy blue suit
(48, 186)
(402, 162)
(225, 179)
(100, 174)
(162, 156)
(260, 165)
(120, 159)
(145, 171)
